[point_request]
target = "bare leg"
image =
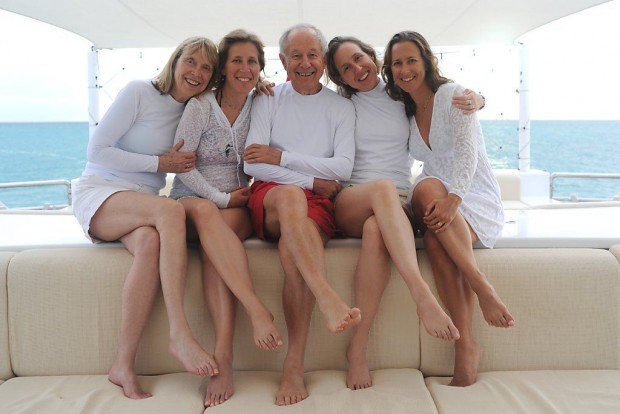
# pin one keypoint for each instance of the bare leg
(380, 198)
(298, 303)
(227, 254)
(372, 275)
(139, 292)
(126, 211)
(456, 238)
(286, 215)
(221, 305)
(457, 295)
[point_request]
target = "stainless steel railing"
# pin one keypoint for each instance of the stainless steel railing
(44, 183)
(557, 175)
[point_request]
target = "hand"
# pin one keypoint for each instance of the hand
(258, 153)
(174, 161)
(469, 102)
(440, 212)
(327, 188)
(264, 87)
(239, 197)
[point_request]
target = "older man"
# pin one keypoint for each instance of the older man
(299, 145)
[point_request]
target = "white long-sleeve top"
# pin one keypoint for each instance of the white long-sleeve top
(381, 139)
(314, 132)
(137, 128)
(456, 155)
(219, 150)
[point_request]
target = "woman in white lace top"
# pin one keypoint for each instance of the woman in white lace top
(456, 200)
(214, 195)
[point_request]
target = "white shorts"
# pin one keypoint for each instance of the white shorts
(89, 192)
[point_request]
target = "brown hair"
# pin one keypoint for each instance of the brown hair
(433, 76)
(232, 38)
(332, 71)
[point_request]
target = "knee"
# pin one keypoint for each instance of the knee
(205, 211)
(384, 190)
(290, 194)
(147, 243)
(172, 210)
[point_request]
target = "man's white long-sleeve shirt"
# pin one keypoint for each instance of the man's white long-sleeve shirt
(314, 132)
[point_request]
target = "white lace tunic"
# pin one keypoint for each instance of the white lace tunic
(457, 156)
(219, 150)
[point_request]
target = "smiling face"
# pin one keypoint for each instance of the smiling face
(304, 61)
(408, 68)
(192, 74)
(242, 68)
(355, 67)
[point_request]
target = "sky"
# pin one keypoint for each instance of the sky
(574, 65)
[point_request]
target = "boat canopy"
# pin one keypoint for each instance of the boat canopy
(164, 23)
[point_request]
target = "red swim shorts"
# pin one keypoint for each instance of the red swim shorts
(320, 209)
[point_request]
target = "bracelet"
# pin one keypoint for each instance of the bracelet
(484, 102)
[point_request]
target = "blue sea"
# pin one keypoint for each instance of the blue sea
(46, 151)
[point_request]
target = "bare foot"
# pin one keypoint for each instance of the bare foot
(126, 378)
(266, 335)
(292, 388)
(466, 359)
(358, 376)
(220, 387)
(338, 315)
(194, 359)
(436, 322)
(493, 309)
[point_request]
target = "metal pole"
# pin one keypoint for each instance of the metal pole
(93, 89)
(524, 110)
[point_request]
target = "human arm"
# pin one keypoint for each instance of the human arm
(338, 165)
(119, 120)
(259, 137)
(461, 127)
(264, 87)
(469, 102)
(193, 124)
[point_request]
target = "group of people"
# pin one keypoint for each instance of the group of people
(322, 162)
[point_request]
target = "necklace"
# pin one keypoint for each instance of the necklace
(231, 106)
(223, 100)
(428, 99)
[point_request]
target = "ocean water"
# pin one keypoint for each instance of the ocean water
(46, 151)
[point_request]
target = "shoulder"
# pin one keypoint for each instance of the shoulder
(334, 99)
(448, 90)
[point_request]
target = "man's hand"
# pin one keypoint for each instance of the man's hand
(327, 188)
(258, 153)
(174, 161)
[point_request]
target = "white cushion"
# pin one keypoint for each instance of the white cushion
(534, 392)
(394, 391)
(5, 361)
(94, 394)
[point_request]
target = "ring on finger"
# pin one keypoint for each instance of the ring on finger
(188, 165)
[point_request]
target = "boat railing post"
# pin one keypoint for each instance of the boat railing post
(524, 109)
(93, 89)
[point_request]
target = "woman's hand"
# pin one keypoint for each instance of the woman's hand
(264, 87)
(258, 153)
(174, 161)
(469, 102)
(440, 212)
(239, 197)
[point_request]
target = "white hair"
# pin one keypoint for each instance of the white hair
(302, 26)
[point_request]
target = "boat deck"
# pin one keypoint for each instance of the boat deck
(595, 227)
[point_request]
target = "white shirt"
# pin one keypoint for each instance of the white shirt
(138, 127)
(314, 132)
(381, 139)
